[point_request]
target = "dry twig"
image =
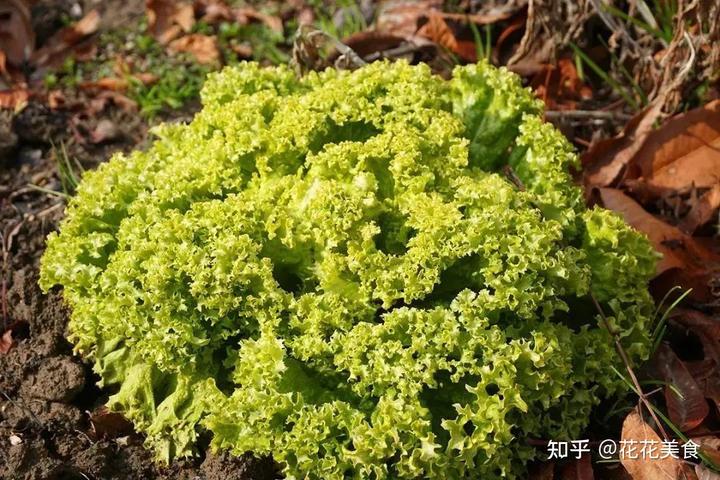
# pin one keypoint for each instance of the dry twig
(628, 366)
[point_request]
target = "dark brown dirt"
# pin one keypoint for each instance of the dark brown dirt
(48, 395)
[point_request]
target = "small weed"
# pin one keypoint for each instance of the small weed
(707, 460)
(180, 78)
(661, 326)
(69, 172)
(604, 76)
(483, 46)
(353, 20)
(264, 42)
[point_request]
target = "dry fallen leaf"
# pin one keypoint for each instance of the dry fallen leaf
(689, 409)
(105, 131)
(17, 38)
(710, 447)
(14, 99)
(687, 262)
(3, 68)
(56, 99)
(64, 42)
(679, 250)
(684, 152)
(370, 41)
(607, 159)
(401, 18)
(107, 424)
(711, 387)
(560, 86)
(419, 21)
(706, 328)
(6, 342)
(213, 11)
(203, 47)
(246, 15)
(705, 210)
(168, 19)
(704, 473)
(105, 97)
(635, 428)
(119, 84)
(438, 30)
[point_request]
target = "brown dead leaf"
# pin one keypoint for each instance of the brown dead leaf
(6, 342)
(168, 19)
(243, 50)
(247, 15)
(560, 86)
(711, 389)
(107, 83)
(370, 41)
(689, 409)
(107, 424)
(105, 131)
(119, 84)
(64, 42)
(56, 99)
(679, 250)
(100, 101)
(402, 18)
(419, 21)
(14, 99)
(684, 152)
(706, 328)
(17, 38)
(306, 16)
(704, 473)
(203, 47)
(607, 159)
(437, 30)
(685, 262)
(213, 11)
(710, 446)
(705, 210)
(3, 65)
(635, 428)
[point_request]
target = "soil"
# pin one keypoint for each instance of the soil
(53, 425)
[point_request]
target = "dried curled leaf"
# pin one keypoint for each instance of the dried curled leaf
(17, 38)
(64, 42)
(203, 47)
(168, 19)
(643, 467)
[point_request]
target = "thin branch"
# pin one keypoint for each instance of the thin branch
(512, 176)
(631, 372)
(584, 114)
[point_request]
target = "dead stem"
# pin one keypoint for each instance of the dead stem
(585, 114)
(631, 372)
(512, 176)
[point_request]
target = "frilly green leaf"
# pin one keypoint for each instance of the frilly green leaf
(335, 271)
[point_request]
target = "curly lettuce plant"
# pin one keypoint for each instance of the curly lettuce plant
(336, 270)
